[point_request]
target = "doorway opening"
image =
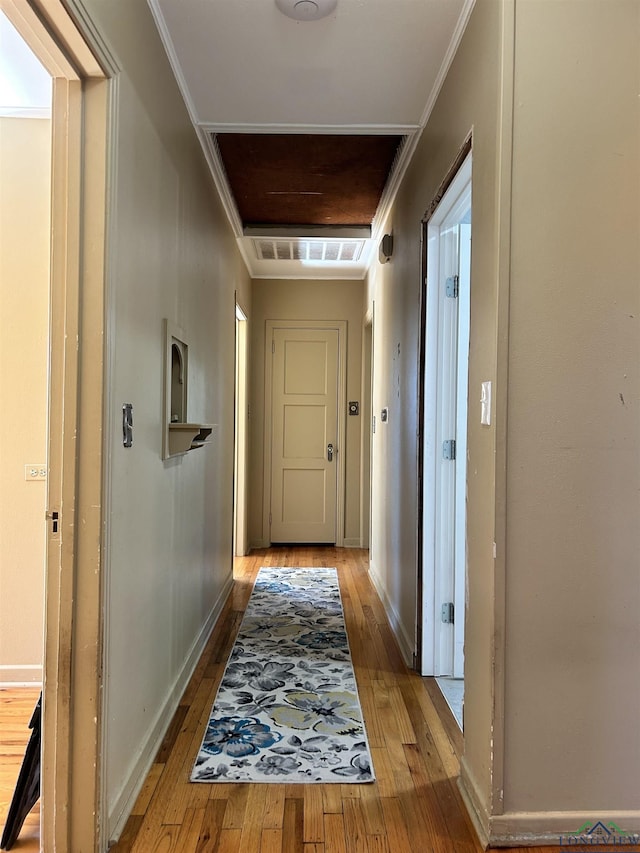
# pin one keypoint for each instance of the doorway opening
(71, 767)
(25, 247)
(447, 300)
(25, 175)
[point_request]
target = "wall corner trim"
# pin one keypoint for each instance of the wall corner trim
(549, 828)
(470, 793)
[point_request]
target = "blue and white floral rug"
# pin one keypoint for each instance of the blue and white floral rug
(287, 709)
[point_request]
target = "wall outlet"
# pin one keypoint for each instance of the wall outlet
(34, 472)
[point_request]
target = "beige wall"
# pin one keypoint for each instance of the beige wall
(573, 500)
(552, 631)
(306, 300)
(25, 168)
(171, 254)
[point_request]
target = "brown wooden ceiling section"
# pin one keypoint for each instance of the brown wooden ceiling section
(305, 179)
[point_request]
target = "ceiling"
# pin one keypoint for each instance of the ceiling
(308, 126)
(25, 86)
(307, 179)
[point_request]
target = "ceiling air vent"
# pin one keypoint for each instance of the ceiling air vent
(338, 251)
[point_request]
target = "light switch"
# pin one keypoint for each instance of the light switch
(485, 404)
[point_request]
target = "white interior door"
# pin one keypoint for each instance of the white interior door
(304, 434)
(445, 430)
(446, 467)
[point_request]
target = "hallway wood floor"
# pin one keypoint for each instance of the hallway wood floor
(413, 807)
(16, 709)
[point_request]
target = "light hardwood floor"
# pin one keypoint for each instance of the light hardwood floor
(16, 708)
(413, 807)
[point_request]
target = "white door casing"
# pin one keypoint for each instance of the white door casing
(240, 546)
(462, 405)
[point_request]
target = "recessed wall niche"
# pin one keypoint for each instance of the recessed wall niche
(178, 436)
(178, 404)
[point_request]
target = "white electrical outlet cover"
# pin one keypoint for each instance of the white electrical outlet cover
(34, 471)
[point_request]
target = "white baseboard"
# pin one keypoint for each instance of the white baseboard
(20, 675)
(405, 643)
(563, 828)
(351, 542)
(539, 829)
(129, 791)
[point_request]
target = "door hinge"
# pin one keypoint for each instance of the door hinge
(269, 518)
(449, 449)
(453, 286)
(273, 347)
(447, 613)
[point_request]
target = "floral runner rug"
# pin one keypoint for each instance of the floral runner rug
(287, 709)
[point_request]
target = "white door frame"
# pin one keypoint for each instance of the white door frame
(441, 649)
(240, 443)
(341, 327)
(366, 414)
(462, 418)
(71, 771)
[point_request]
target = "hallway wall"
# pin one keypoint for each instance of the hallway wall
(552, 622)
(573, 465)
(168, 523)
(305, 300)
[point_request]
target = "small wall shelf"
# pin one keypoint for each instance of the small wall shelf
(184, 437)
(178, 436)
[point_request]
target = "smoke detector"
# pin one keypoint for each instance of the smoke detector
(306, 10)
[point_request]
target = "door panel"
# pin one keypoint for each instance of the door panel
(304, 423)
(446, 430)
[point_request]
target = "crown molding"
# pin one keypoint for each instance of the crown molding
(327, 129)
(220, 179)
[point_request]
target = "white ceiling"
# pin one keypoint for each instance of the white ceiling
(372, 66)
(372, 63)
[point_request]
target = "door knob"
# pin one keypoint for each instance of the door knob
(330, 452)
